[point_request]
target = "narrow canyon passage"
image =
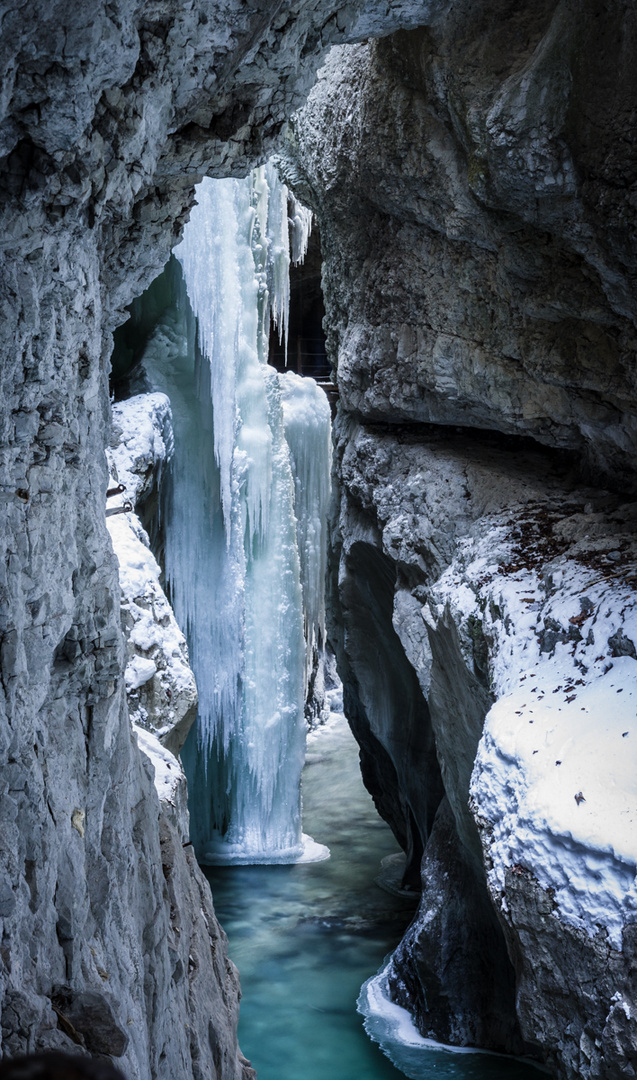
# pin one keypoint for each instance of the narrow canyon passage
(236, 502)
(306, 937)
(174, 492)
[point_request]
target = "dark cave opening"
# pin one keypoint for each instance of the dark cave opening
(306, 353)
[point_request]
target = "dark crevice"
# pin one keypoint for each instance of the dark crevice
(385, 705)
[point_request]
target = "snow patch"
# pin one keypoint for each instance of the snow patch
(169, 775)
(159, 681)
(138, 672)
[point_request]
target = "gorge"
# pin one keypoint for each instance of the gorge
(470, 167)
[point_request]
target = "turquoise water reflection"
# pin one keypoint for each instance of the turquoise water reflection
(306, 937)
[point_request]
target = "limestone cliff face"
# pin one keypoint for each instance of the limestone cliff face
(470, 181)
(473, 186)
(108, 115)
(474, 193)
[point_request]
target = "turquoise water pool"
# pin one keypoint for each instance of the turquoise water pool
(305, 938)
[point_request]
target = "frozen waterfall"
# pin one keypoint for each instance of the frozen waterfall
(244, 520)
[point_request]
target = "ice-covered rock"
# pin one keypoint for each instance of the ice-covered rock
(511, 593)
(160, 685)
(170, 781)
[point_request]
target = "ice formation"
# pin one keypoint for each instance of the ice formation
(246, 595)
(306, 417)
(300, 229)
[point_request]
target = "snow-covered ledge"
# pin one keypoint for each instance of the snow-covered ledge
(161, 690)
(514, 602)
(555, 771)
(553, 789)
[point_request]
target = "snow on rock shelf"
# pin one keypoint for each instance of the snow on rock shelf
(169, 779)
(548, 596)
(554, 777)
(160, 685)
(512, 595)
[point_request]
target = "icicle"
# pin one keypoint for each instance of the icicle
(279, 254)
(208, 255)
(300, 219)
(308, 433)
(204, 572)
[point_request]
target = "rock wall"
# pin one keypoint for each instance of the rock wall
(473, 180)
(108, 115)
(475, 207)
(474, 191)
(511, 592)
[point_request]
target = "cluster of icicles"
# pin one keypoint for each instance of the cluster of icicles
(246, 526)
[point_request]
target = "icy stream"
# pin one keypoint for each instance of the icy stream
(306, 937)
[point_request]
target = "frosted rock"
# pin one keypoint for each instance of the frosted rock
(170, 781)
(530, 684)
(160, 685)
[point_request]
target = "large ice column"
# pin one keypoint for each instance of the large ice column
(232, 539)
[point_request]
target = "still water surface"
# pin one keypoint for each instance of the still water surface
(306, 937)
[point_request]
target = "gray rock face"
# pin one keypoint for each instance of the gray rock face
(477, 227)
(473, 188)
(451, 969)
(475, 200)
